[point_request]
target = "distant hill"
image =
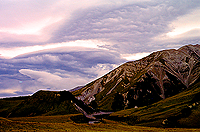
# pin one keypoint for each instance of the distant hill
(40, 103)
(44, 103)
(143, 82)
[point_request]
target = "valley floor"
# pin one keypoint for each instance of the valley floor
(64, 123)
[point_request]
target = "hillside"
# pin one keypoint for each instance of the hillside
(143, 82)
(7, 104)
(181, 110)
(40, 103)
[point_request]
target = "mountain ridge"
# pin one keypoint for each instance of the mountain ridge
(161, 70)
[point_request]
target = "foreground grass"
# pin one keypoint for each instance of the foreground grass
(64, 123)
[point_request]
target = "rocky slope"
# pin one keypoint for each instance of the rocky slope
(160, 75)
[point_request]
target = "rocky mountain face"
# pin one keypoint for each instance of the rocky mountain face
(160, 75)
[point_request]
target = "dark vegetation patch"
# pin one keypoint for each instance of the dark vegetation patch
(80, 119)
(16, 98)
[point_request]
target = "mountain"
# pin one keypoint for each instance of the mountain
(160, 75)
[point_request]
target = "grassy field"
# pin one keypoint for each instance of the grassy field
(64, 123)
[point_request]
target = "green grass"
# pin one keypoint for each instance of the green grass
(63, 123)
(154, 114)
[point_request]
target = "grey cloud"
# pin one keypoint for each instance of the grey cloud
(54, 70)
(79, 58)
(129, 27)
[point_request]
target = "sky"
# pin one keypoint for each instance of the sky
(61, 44)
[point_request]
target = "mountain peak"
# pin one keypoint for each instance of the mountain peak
(163, 73)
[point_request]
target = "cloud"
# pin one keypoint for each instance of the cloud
(137, 56)
(129, 28)
(26, 20)
(34, 21)
(185, 23)
(9, 86)
(17, 87)
(47, 79)
(60, 81)
(78, 44)
(8, 91)
(185, 29)
(74, 42)
(56, 70)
